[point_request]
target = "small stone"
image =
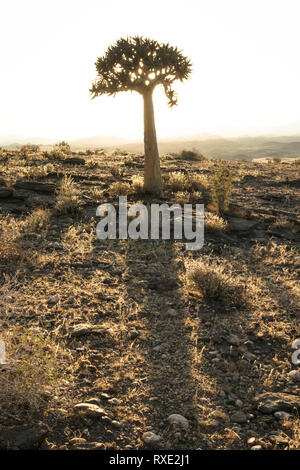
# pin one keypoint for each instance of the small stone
(151, 438)
(239, 417)
(233, 340)
(84, 328)
(256, 447)
(117, 424)
(89, 409)
(251, 440)
(239, 403)
(179, 420)
(269, 402)
(282, 415)
(54, 299)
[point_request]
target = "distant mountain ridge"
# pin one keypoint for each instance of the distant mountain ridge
(238, 148)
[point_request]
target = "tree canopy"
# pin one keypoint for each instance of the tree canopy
(140, 64)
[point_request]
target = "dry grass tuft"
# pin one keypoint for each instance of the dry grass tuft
(211, 280)
(116, 170)
(67, 200)
(214, 223)
(221, 188)
(119, 189)
(11, 246)
(137, 184)
(31, 374)
(177, 181)
(38, 220)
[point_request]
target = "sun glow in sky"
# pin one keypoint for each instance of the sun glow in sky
(245, 56)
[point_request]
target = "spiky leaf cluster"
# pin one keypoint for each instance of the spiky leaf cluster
(140, 64)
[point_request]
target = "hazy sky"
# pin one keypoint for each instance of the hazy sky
(245, 55)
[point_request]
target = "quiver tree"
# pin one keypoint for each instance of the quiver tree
(140, 64)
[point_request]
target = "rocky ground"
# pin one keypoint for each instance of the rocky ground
(109, 346)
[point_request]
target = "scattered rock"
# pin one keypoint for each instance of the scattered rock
(269, 402)
(74, 161)
(233, 340)
(90, 409)
(84, 329)
(22, 437)
(33, 186)
(282, 415)
(251, 440)
(239, 417)
(179, 420)
(256, 447)
(237, 224)
(151, 438)
(54, 299)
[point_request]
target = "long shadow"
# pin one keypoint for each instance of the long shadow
(167, 349)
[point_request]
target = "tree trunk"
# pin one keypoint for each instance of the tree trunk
(152, 175)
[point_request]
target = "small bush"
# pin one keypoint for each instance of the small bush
(11, 246)
(221, 188)
(33, 369)
(137, 184)
(182, 197)
(211, 280)
(214, 223)
(198, 182)
(191, 155)
(38, 220)
(117, 171)
(177, 181)
(63, 147)
(119, 189)
(67, 200)
(28, 148)
(35, 172)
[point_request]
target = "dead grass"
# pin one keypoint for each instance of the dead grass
(38, 220)
(67, 199)
(119, 189)
(214, 223)
(212, 281)
(116, 170)
(137, 184)
(11, 246)
(221, 188)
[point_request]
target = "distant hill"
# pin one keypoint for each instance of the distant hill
(98, 141)
(240, 148)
